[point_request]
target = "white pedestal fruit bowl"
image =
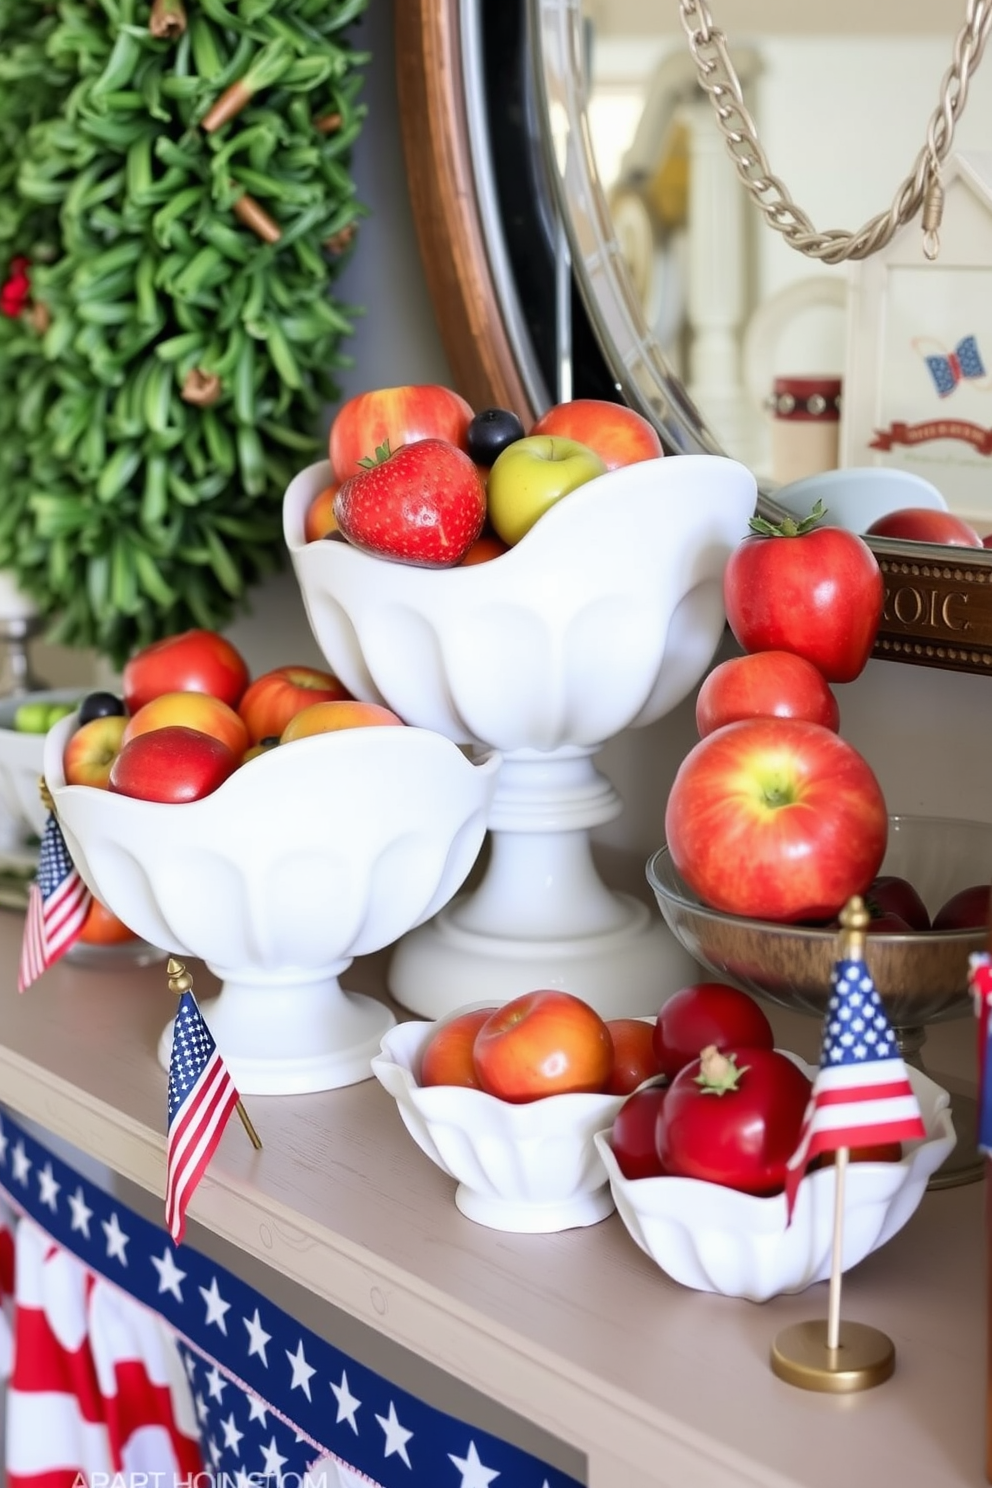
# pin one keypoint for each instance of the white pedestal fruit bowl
(603, 617)
(311, 854)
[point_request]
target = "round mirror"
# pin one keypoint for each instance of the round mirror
(584, 233)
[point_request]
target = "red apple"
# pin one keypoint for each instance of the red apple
(195, 710)
(543, 1043)
(766, 684)
(273, 699)
(172, 764)
(634, 1135)
(926, 524)
(327, 718)
(618, 434)
(889, 894)
(394, 417)
(776, 819)
(703, 1014)
(195, 661)
(968, 909)
(320, 518)
(425, 504)
(633, 1054)
(92, 749)
(448, 1058)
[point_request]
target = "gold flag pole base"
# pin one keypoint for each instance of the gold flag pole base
(864, 1357)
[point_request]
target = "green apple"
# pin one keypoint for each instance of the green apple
(531, 475)
(38, 718)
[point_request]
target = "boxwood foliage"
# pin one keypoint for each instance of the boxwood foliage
(165, 379)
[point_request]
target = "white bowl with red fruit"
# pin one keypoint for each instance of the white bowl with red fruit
(274, 865)
(601, 611)
(697, 1164)
(506, 1101)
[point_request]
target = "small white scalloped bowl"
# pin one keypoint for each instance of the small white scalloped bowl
(309, 855)
(21, 761)
(529, 1168)
(715, 1239)
(603, 617)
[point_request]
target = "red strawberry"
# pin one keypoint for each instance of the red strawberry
(425, 504)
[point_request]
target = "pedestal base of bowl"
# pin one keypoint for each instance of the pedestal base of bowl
(623, 971)
(283, 1037)
(520, 1218)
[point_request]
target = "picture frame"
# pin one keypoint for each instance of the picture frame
(918, 377)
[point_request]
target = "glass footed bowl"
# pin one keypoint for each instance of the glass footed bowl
(921, 977)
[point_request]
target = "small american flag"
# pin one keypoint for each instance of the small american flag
(58, 903)
(202, 1096)
(861, 1095)
(980, 983)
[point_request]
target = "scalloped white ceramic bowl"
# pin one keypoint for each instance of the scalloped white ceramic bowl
(309, 855)
(602, 617)
(529, 1168)
(715, 1239)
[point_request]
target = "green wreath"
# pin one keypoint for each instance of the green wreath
(175, 204)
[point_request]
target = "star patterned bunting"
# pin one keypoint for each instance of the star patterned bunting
(272, 1398)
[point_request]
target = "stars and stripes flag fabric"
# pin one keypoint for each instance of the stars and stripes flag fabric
(97, 1385)
(58, 903)
(980, 985)
(178, 1346)
(202, 1096)
(861, 1093)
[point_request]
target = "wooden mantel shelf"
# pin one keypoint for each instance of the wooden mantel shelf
(579, 1332)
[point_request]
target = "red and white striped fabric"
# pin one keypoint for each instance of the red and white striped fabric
(8, 1225)
(97, 1384)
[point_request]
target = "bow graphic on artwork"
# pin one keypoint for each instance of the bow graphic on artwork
(963, 363)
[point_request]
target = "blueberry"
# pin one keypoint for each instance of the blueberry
(490, 432)
(99, 705)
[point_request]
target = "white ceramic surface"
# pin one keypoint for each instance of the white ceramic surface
(529, 1168)
(21, 761)
(603, 617)
(307, 856)
(717, 1240)
(857, 496)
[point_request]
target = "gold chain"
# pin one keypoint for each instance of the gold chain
(718, 78)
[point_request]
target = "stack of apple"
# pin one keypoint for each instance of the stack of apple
(420, 478)
(773, 815)
(190, 715)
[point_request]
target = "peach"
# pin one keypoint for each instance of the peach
(324, 718)
(193, 710)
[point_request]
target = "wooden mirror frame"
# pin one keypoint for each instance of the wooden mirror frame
(938, 609)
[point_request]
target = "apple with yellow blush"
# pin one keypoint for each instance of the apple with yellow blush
(192, 710)
(91, 751)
